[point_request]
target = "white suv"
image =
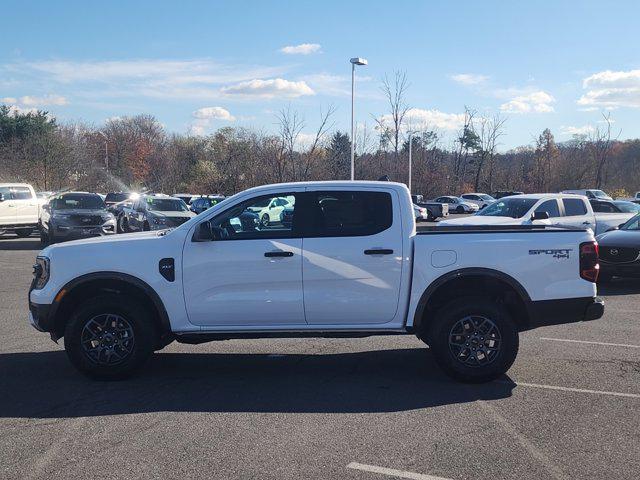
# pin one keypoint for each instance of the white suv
(480, 199)
(19, 208)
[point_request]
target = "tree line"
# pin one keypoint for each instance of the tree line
(136, 152)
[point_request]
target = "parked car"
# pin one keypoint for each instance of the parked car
(185, 197)
(634, 199)
(155, 212)
(614, 206)
(480, 199)
(74, 215)
(591, 194)
(506, 193)
(19, 209)
(366, 272)
(118, 210)
(620, 251)
(270, 210)
(434, 210)
(200, 204)
(112, 198)
(554, 209)
(458, 205)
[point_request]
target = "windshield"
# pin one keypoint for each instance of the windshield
(116, 197)
(628, 207)
(599, 194)
(77, 202)
(484, 196)
(633, 224)
(509, 207)
(166, 205)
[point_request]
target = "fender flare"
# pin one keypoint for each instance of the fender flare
(467, 272)
(163, 317)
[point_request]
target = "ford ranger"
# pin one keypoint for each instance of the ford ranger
(350, 263)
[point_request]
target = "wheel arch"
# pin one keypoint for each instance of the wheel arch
(94, 283)
(485, 281)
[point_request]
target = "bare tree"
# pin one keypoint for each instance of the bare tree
(290, 126)
(489, 131)
(395, 91)
(600, 146)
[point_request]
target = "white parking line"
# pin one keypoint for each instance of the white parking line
(590, 343)
(575, 390)
(390, 472)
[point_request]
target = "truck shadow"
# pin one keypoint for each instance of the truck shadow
(45, 385)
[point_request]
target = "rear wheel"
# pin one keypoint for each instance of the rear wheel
(473, 339)
(44, 238)
(109, 337)
(459, 209)
(24, 232)
(146, 227)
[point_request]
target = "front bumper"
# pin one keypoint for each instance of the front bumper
(567, 310)
(620, 269)
(40, 318)
(64, 232)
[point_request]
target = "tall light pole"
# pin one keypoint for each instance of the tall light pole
(106, 149)
(354, 61)
(411, 132)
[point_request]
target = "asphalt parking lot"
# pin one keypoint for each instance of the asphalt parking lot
(371, 408)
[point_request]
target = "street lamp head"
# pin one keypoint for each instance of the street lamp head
(358, 61)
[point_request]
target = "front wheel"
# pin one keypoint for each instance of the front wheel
(265, 220)
(460, 209)
(474, 340)
(109, 337)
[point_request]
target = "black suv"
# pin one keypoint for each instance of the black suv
(200, 204)
(74, 215)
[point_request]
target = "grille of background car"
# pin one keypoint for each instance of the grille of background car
(619, 254)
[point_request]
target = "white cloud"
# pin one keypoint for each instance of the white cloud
(205, 116)
(570, 130)
(538, 102)
(276, 87)
(9, 100)
(211, 113)
(302, 49)
(610, 90)
(469, 78)
(15, 109)
(419, 119)
(31, 101)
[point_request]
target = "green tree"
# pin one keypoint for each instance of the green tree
(340, 155)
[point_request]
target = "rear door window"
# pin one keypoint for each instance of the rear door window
(349, 213)
(20, 193)
(574, 207)
(551, 207)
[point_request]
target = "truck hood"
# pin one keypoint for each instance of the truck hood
(484, 220)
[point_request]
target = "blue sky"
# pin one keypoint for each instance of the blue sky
(198, 66)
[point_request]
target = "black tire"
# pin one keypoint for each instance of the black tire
(125, 225)
(491, 349)
(265, 220)
(430, 217)
(24, 232)
(44, 238)
(145, 226)
(460, 209)
(129, 334)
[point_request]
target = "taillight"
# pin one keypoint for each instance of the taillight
(589, 266)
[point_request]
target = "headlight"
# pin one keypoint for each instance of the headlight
(41, 272)
(106, 218)
(159, 221)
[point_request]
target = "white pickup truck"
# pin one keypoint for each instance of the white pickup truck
(551, 209)
(19, 208)
(349, 264)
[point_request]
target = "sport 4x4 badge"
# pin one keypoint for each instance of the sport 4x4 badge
(555, 252)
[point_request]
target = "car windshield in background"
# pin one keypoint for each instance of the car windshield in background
(633, 224)
(509, 207)
(600, 194)
(484, 196)
(627, 207)
(116, 197)
(167, 205)
(77, 202)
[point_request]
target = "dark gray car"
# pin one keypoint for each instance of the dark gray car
(74, 215)
(155, 212)
(619, 251)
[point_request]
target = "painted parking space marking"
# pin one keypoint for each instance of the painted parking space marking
(391, 472)
(586, 342)
(574, 390)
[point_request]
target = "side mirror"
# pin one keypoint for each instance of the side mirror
(540, 216)
(203, 233)
(1, 197)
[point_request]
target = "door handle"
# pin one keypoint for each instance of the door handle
(378, 251)
(279, 253)
(586, 223)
